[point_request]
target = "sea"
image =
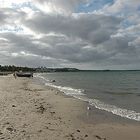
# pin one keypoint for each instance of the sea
(117, 92)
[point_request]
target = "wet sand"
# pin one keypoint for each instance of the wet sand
(29, 111)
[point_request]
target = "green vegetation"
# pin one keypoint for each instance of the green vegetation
(13, 68)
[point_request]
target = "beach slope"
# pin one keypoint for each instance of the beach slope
(29, 111)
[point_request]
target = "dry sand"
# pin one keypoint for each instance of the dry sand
(29, 111)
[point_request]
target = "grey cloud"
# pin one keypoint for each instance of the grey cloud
(2, 18)
(9, 16)
(80, 40)
(71, 50)
(90, 27)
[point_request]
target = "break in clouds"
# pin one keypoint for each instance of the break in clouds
(86, 34)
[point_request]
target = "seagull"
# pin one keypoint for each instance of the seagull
(88, 108)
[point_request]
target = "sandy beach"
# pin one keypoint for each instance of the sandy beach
(29, 111)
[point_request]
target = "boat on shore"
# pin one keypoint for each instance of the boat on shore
(24, 74)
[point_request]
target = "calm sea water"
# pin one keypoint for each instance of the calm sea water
(113, 91)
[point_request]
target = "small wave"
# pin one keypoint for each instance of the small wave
(130, 114)
(41, 77)
(79, 94)
(67, 90)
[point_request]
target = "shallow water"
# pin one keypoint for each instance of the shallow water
(117, 92)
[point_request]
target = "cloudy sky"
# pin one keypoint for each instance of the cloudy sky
(86, 34)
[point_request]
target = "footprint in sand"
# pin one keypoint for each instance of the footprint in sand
(100, 138)
(41, 109)
(7, 128)
(11, 129)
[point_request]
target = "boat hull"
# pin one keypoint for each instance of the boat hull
(24, 74)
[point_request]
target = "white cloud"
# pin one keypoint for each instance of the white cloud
(58, 6)
(122, 7)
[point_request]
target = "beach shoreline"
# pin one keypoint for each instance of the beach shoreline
(30, 111)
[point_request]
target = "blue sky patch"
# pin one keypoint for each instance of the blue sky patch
(93, 5)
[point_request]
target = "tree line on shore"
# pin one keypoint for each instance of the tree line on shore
(12, 68)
